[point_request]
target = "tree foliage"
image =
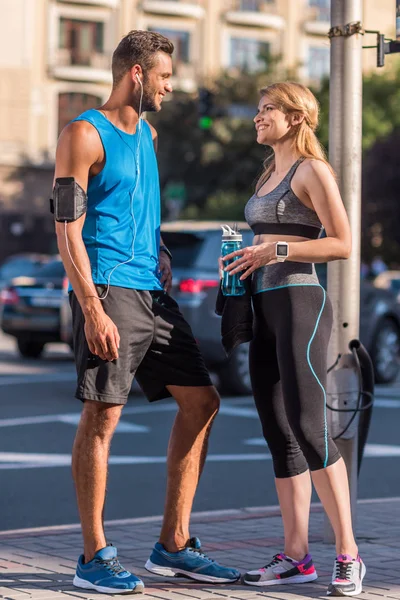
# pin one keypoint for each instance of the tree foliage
(381, 206)
(381, 107)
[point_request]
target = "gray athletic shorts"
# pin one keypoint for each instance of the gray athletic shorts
(157, 347)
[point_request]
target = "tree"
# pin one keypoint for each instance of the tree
(381, 107)
(381, 181)
(381, 206)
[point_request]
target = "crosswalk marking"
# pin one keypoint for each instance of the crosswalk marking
(26, 460)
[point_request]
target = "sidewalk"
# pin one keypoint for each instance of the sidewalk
(40, 563)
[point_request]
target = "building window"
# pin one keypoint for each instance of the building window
(323, 9)
(72, 104)
(81, 39)
(253, 5)
(248, 54)
(318, 62)
(181, 41)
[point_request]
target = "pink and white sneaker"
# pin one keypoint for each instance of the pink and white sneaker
(283, 570)
(347, 577)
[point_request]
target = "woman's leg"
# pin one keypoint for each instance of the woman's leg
(332, 488)
(302, 359)
(294, 495)
(292, 479)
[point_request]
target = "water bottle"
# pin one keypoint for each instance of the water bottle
(231, 241)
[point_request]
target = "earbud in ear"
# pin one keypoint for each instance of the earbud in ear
(138, 78)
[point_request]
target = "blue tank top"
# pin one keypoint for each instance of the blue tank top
(122, 222)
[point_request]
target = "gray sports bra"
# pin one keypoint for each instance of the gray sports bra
(281, 212)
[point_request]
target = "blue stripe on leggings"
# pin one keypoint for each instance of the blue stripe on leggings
(315, 375)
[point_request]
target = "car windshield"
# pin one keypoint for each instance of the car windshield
(19, 267)
(54, 269)
(185, 247)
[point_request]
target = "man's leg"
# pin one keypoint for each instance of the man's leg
(174, 366)
(187, 450)
(89, 469)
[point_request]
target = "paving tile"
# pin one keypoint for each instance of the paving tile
(41, 567)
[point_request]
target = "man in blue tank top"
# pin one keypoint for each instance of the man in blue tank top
(125, 323)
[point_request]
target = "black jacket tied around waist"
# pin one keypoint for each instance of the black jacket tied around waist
(237, 318)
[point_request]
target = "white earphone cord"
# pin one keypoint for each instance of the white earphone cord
(132, 194)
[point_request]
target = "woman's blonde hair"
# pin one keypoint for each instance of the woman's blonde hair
(293, 98)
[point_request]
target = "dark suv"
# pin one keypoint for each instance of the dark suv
(195, 247)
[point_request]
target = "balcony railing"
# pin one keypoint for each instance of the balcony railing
(66, 63)
(255, 13)
(109, 3)
(180, 8)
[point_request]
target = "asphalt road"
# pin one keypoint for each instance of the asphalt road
(38, 417)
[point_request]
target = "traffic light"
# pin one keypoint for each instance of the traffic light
(205, 108)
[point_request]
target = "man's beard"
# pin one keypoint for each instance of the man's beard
(148, 101)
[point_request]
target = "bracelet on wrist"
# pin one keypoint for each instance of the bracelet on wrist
(167, 252)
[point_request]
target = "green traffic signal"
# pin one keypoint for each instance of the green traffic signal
(205, 122)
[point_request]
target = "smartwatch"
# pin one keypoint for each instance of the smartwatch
(167, 252)
(281, 251)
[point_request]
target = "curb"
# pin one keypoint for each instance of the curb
(255, 512)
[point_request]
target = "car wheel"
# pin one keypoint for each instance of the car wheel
(235, 374)
(385, 351)
(30, 348)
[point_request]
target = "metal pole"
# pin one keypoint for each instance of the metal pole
(335, 153)
(345, 156)
(398, 20)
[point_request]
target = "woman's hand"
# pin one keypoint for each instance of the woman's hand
(250, 259)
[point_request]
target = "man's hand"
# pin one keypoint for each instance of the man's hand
(166, 271)
(102, 336)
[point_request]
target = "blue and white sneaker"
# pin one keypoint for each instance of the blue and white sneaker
(190, 562)
(105, 574)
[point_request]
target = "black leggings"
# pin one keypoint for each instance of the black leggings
(288, 365)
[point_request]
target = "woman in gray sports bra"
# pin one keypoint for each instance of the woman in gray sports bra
(295, 199)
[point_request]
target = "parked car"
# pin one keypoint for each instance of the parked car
(196, 247)
(31, 308)
(379, 326)
(20, 264)
(388, 280)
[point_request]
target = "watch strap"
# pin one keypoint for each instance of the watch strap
(164, 248)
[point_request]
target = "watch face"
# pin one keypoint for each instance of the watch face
(281, 250)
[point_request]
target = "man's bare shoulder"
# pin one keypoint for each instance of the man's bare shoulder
(80, 138)
(153, 130)
(79, 132)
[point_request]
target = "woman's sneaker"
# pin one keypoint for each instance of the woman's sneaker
(190, 562)
(105, 574)
(347, 577)
(283, 570)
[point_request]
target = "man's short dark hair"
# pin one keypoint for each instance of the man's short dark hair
(138, 48)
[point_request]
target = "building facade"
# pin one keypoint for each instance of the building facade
(55, 62)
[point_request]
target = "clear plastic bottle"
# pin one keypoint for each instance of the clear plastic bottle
(231, 241)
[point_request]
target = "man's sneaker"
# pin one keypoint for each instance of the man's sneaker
(347, 577)
(281, 570)
(190, 562)
(105, 574)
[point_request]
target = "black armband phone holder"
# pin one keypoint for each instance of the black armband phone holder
(69, 200)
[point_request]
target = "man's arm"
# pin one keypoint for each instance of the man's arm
(79, 148)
